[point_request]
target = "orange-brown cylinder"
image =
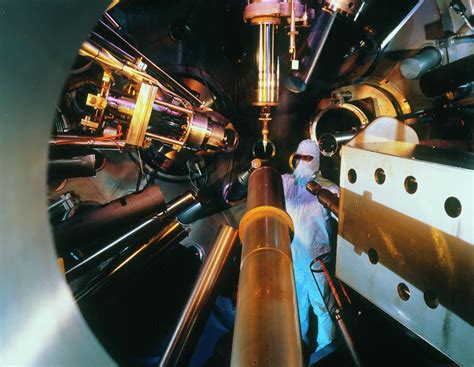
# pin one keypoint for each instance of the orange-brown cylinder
(266, 329)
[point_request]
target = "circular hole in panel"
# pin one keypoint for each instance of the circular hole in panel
(379, 176)
(453, 207)
(352, 175)
(403, 291)
(411, 185)
(373, 256)
(431, 299)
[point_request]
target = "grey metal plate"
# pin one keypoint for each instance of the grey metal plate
(39, 322)
(417, 243)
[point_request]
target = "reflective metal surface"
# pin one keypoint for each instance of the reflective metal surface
(133, 258)
(266, 331)
(226, 238)
(40, 323)
(98, 221)
(415, 257)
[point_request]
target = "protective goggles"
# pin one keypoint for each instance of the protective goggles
(304, 158)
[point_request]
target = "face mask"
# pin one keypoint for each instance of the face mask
(303, 172)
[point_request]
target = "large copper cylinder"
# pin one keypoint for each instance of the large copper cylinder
(266, 329)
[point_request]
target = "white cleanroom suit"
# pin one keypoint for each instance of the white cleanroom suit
(311, 239)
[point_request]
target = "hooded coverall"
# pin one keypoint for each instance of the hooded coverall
(311, 239)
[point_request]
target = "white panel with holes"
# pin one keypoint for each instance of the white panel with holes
(406, 239)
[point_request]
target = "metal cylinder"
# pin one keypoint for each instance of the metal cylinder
(448, 77)
(94, 222)
(426, 59)
(81, 141)
(268, 66)
(82, 166)
(330, 143)
(108, 61)
(192, 316)
(266, 331)
(134, 258)
(236, 190)
(143, 230)
(298, 81)
(326, 198)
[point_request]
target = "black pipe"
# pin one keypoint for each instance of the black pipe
(237, 189)
(448, 77)
(81, 166)
(140, 232)
(94, 222)
(135, 257)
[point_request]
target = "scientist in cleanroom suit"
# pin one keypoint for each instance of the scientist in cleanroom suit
(311, 239)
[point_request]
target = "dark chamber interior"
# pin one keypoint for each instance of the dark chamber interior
(208, 48)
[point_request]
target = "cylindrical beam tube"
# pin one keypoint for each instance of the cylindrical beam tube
(298, 81)
(108, 61)
(96, 221)
(81, 141)
(236, 190)
(142, 230)
(448, 77)
(426, 59)
(191, 318)
(268, 68)
(266, 331)
(164, 139)
(82, 166)
(326, 198)
(330, 143)
(134, 258)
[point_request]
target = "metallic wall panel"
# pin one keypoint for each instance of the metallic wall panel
(40, 323)
(388, 236)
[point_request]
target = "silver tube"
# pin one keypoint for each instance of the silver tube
(330, 143)
(178, 204)
(164, 139)
(320, 45)
(298, 82)
(80, 141)
(226, 238)
(413, 67)
(133, 258)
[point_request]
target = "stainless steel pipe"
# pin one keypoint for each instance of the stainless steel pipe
(330, 143)
(226, 238)
(298, 81)
(142, 230)
(81, 141)
(266, 329)
(134, 258)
